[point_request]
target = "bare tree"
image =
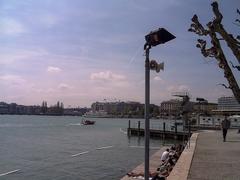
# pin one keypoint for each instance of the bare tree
(216, 32)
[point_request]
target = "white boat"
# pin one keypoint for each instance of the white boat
(97, 114)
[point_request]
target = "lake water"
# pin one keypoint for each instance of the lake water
(59, 148)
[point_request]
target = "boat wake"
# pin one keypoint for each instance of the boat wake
(86, 152)
(10, 172)
(76, 124)
(124, 132)
(81, 153)
(104, 147)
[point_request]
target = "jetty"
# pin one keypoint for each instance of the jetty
(163, 133)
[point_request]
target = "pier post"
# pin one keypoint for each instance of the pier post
(129, 127)
(164, 131)
(189, 133)
(139, 124)
(175, 137)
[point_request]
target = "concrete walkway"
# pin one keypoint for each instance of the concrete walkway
(214, 159)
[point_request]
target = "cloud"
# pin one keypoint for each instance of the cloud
(52, 69)
(12, 79)
(64, 86)
(177, 88)
(157, 78)
(11, 26)
(107, 76)
(8, 56)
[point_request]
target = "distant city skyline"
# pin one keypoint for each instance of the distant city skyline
(80, 52)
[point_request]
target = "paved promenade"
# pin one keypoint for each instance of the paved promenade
(214, 159)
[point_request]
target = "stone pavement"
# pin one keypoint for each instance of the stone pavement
(214, 159)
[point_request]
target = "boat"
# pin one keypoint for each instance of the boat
(97, 114)
(87, 122)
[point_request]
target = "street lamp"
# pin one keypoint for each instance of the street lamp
(154, 38)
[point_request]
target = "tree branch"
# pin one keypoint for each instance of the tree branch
(237, 67)
(218, 15)
(223, 64)
(218, 27)
(197, 27)
(216, 51)
(227, 87)
(211, 52)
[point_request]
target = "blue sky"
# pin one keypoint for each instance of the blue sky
(79, 51)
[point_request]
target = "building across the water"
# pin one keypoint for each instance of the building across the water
(227, 106)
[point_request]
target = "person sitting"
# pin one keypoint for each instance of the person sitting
(165, 155)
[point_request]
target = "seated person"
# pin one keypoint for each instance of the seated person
(165, 155)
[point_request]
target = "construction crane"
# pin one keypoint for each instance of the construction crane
(185, 106)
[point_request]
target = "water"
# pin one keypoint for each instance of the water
(59, 148)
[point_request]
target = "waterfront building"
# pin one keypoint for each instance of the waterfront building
(75, 111)
(170, 108)
(13, 108)
(4, 108)
(119, 109)
(204, 108)
(228, 106)
(228, 103)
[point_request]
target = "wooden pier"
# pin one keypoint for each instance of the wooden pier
(159, 133)
(164, 134)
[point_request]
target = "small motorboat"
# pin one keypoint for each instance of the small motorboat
(88, 122)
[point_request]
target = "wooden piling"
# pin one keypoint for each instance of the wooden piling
(139, 124)
(175, 137)
(129, 128)
(164, 130)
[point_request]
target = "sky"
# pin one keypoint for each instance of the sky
(81, 51)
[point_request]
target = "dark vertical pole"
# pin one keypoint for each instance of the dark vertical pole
(139, 128)
(147, 97)
(189, 132)
(129, 127)
(164, 132)
(176, 128)
(164, 128)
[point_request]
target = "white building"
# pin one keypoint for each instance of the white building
(228, 104)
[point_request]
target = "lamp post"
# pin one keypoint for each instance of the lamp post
(154, 38)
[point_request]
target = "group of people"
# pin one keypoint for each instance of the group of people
(167, 161)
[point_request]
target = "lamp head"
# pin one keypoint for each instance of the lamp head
(159, 36)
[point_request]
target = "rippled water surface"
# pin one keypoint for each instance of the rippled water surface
(60, 148)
